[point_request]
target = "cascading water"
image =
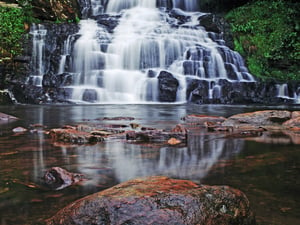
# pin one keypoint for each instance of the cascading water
(285, 92)
(38, 33)
(126, 66)
(151, 52)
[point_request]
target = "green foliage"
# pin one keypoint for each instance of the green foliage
(11, 29)
(27, 10)
(267, 34)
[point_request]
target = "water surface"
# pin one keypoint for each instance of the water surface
(267, 173)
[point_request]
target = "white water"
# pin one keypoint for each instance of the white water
(38, 54)
(123, 67)
(283, 92)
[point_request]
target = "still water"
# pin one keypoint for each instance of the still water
(267, 173)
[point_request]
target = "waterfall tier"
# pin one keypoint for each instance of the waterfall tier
(128, 65)
(143, 51)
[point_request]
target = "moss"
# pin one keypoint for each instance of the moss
(266, 33)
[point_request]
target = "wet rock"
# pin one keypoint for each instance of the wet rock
(203, 119)
(179, 128)
(292, 123)
(74, 136)
(58, 178)
(155, 136)
(159, 200)
(174, 141)
(6, 97)
(19, 130)
(168, 86)
(266, 119)
(7, 118)
(295, 114)
(116, 118)
(134, 125)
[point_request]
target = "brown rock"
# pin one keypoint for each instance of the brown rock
(57, 178)
(292, 123)
(179, 128)
(74, 136)
(202, 119)
(258, 119)
(174, 141)
(159, 200)
(295, 114)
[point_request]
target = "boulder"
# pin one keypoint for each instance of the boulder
(266, 119)
(58, 178)
(168, 86)
(159, 200)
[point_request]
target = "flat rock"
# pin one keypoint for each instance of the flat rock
(258, 119)
(159, 200)
(203, 119)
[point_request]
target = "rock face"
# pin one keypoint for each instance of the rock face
(159, 200)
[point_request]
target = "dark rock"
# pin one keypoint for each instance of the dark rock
(74, 136)
(6, 97)
(108, 21)
(168, 86)
(180, 15)
(57, 178)
(159, 200)
(155, 136)
(217, 24)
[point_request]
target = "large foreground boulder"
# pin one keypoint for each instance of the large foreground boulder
(159, 200)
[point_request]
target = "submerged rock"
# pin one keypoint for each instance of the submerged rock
(159, 200)
(57, 178)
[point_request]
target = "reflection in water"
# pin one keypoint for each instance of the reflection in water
(124, 161)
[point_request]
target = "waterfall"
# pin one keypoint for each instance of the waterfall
(285, 92)
(66, 52)
(129, 63)
(38, 33)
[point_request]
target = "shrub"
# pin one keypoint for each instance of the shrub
(11, 30)
(267, 34)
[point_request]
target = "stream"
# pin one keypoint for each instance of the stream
(268, 173)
